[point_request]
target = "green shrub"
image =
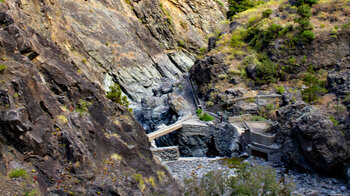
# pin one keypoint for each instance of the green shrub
(307, 2)
(304, 23)
(288, 28)
(204, 116)
(257, 180)
(270, 107)
(334, 33)
(141, 182)
(266, 72)
(236, 40)
(220, 3)
(308, 35)
(115, 94)
(209, 103)
(304, 11)
(203, 50)
(2, 67)
(303, 60)
(280, 89)
(346, 25)
(334, 121)
(267, 13)
(315, 88)
(237, 6)
(259, 38)
(17, 173)
(127, 2)
(250, 100)
(82, 106)
(199, 112)
(181, 43)
(258, 118)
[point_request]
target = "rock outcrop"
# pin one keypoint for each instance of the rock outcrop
(310, 140)
(205, 72)
(208, 141)
(122, 41)
(55, 122)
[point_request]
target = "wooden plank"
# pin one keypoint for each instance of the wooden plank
(168, 129)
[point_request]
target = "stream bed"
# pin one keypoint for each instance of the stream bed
(305, 184)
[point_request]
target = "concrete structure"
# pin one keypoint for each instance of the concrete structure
(257, 139)
(170, 153)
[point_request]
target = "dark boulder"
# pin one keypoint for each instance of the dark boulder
(196, 140)
(309, 139)
(251, 72)
(206, 71)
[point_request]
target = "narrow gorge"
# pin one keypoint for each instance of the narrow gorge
(252, 97)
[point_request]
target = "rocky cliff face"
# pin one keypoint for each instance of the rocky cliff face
(57, 125)
(56, 58)
(133, 43)
(310, 140)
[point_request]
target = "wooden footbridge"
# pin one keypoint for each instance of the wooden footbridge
(179, 124)
(171, 128)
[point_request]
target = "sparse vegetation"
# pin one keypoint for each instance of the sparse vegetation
(305, 34)
(346, 25)
(204, 116)
(82, 106)
(18, 173)
(167, 14)
(115, 94)
(184, 25)
(267, 13)
(220, 3)
(62, 119)
(181, 43)
(248, 181)
(266, 72)
(334, 121)
(280, 90)
(315, 87)
(258, 118)
(128, 2)
(160, 175)
(141, 182)
(2, 68)
(237, 6)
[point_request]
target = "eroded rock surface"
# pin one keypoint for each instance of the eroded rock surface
(56, 124)
(114, 40)
(309, 139)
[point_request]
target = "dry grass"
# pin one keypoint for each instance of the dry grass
(329, 14)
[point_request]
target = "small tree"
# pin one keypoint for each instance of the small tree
(314, 87)
(115, 94)
(266, 72)
(267, 13)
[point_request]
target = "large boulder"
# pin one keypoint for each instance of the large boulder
(309, 139)
(206, 71)
(201, 140)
